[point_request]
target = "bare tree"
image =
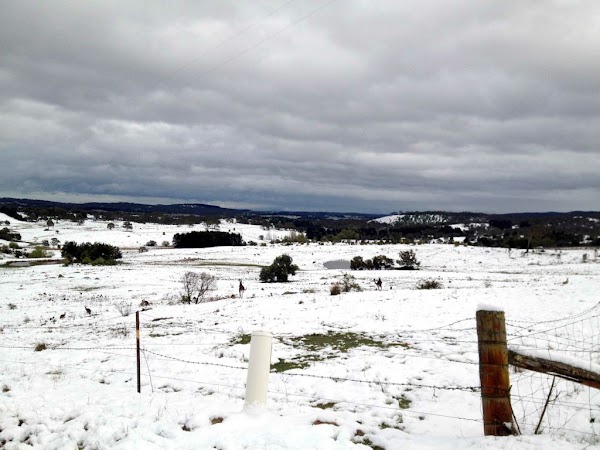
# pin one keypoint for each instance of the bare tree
(195, 286)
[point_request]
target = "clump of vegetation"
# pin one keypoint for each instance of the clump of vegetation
(279, 271)
(408, 260)
(8, 235)
(87, 253)
(349, 283)
(196, 286)
(204, 239)
(379, 262)
(39, 252)
(429, 284)
(335, 289)
(40, 346)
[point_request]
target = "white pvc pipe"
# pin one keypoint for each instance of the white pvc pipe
(259, 367)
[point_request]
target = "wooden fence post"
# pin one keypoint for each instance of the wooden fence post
(493, 373)
(137, 350)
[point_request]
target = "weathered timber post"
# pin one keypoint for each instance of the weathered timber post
(493, 373)
(137, 350)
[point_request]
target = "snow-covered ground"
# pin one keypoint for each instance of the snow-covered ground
(391, 369)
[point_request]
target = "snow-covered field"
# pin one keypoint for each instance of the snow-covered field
(387, 369)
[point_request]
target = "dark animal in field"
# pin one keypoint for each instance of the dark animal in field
(88, 310)
(379, 284)
(63, 315)
(145, 303)
(241, 289)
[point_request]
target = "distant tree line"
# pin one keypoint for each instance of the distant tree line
(521, 230)
(204, 239)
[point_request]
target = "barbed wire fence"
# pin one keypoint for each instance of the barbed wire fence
(547, 402)
(571, 405)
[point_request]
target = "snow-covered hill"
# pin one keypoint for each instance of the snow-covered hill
(391, 369)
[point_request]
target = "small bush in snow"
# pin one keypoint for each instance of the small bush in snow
(39, 252)
(335, 289)
(429, 284)
(123, 308)
(349, 284)
(40, 346)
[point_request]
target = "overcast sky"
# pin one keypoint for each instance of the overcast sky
(347, 105)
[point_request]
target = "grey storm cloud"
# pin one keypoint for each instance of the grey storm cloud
(340, 105)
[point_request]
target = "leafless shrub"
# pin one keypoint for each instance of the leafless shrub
(123, 308)
(195, 286)
(335, 289)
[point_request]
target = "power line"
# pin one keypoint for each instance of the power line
(270, 36)
(230, 38)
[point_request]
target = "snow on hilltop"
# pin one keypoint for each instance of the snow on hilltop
(413, 219)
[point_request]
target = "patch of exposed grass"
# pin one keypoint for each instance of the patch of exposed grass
(327, 405)
(320, 347)
(298, 362)
(242, 339)
(403, 402)
(317, 346)
(342, 342)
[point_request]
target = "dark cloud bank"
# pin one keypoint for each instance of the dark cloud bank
(361, 106)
